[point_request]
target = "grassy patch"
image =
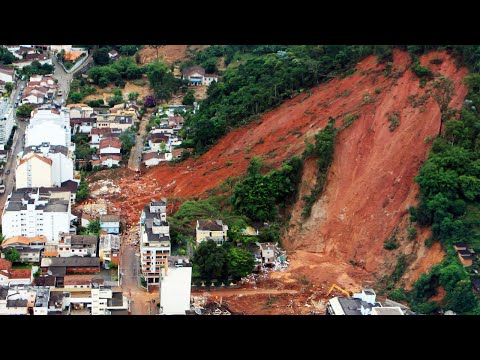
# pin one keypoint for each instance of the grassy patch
(394, 121)
(349, 119)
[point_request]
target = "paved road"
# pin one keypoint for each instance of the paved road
(64, 80)
(9, 180)
(140, 300)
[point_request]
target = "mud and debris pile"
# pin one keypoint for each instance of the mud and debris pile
(205, 305)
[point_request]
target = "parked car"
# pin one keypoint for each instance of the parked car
(7, 172)
(59, 93)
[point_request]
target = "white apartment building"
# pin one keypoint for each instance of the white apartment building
(31, 213)
(44, 166)
(155, 243)
(49, 126)
(6, 122)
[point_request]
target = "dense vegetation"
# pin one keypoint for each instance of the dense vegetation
(259, 197)
(128, 141)
(222, 262)
(11, 254)
(162, 81)
(37, 69)
(117, 72)
(182, 223)
(450, 189)
(24, 111)
(261, 78)
(83, 191)
(6, 57)
(93, 228)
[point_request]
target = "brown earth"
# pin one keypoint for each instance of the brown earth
(371, 180)
(107, 92)
(168, 53)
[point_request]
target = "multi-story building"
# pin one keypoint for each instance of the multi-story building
(105, 301)
(49, 126)
(33, 170)
(73, 245)
(6, 122)
(30, 213)
(108, 249)
(45, 166)
(155, 243)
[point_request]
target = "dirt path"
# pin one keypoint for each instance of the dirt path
(231, 292)
(140, 299)
(136, 153)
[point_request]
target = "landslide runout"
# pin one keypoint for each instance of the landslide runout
(371, 180)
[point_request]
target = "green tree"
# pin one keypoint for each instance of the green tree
(24, 111)
(240, 262)
(9, 87)
(117, 99)
(101, 56)
(189, 98)
(133, 96)
(462, 299)
(211, 260)
(103, 82)
(12, 254)
(93, 228)
(128, 140)
(75, 97)
(83, 191)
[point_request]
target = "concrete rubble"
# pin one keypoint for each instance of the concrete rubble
(202, 305)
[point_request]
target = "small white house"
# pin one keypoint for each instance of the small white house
(153, 158)
(110, 145)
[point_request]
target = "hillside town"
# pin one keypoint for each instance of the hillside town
(205, 180)
(56, 256)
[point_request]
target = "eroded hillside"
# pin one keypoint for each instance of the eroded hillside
(371, 181)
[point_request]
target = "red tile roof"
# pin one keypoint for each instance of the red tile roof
(111, 156)
(100, 131)
(153, 155)
(110, 142)
(20, 274)
(29, 156)
(5, 264)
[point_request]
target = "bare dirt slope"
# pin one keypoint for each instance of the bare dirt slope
(168, 53)
(370, 185)
(371, 181)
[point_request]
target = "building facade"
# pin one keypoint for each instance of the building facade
(155, 246)
(31, 213)
(211, 230)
